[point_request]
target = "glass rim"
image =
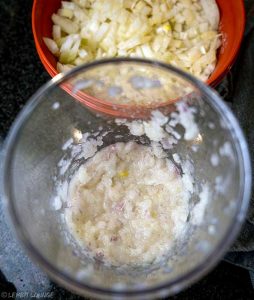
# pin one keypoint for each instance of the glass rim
(182, 280)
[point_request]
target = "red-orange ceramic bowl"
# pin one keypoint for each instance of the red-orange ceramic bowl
(232, 25)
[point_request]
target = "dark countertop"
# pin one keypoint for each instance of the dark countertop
(21, 75)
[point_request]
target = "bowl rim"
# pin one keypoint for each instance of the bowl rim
(231, 60)
(234, 55)
(181, 281)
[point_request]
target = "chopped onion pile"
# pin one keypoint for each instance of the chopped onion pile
(183, 33)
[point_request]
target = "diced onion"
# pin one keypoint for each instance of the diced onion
(181, 32)
(56, 32)
(66, 25)
(51, 44)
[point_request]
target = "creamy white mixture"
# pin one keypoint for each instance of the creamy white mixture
(127, 206)
(128, 203)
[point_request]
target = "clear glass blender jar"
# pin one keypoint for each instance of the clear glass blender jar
(89, 101)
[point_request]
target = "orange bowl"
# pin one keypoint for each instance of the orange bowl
(232, 24)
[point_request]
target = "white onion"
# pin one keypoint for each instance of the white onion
(51, 44)
(56, 32)
(66, 25)
(181, 32)
(212, 12)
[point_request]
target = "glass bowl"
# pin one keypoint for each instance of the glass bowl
(46, 146)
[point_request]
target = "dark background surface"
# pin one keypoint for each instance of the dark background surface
(21, 75)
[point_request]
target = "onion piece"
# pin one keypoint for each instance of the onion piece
(51, 44)
(211, 11)
(66, 25)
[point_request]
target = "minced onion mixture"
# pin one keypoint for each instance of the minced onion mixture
(183, 33)
(127, 205)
